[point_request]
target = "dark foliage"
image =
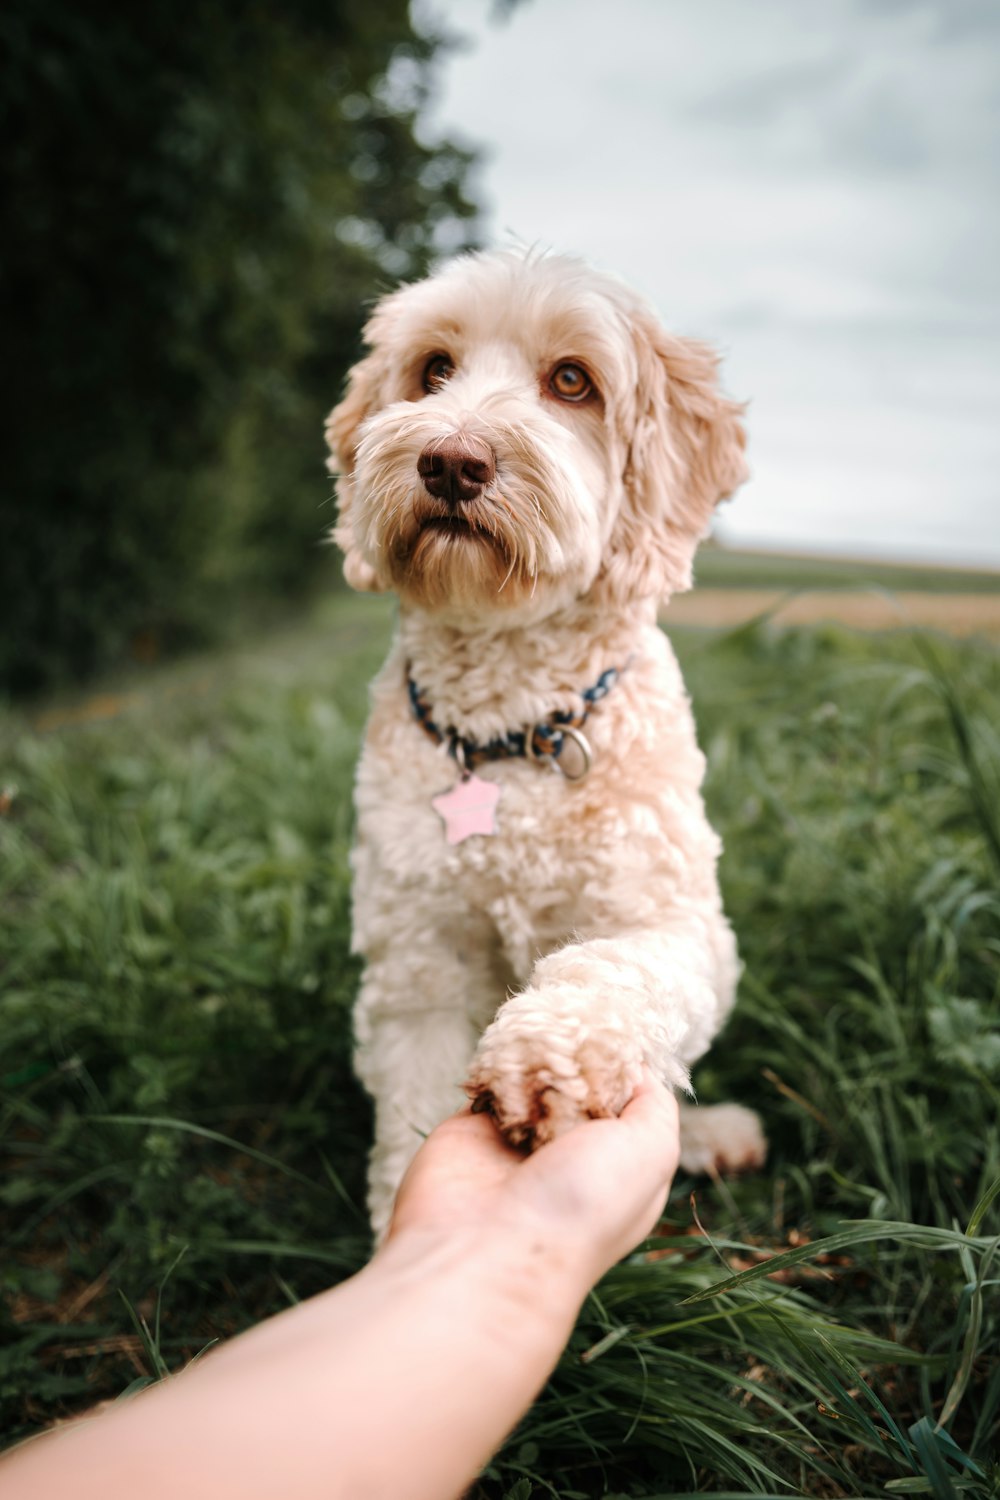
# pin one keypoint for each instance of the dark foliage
(198, 204)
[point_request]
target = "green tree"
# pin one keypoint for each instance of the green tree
(200, 200)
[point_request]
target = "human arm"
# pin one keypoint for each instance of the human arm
(401, 1382)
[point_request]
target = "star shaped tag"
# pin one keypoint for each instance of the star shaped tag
(468, 808)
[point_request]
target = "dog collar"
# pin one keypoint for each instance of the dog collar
(541, 742)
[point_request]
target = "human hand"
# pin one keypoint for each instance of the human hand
(593, 1193)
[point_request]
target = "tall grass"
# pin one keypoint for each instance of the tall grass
(183, 1141)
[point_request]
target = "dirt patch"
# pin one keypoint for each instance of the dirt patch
(958, 614)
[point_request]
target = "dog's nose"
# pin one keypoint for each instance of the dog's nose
(456, 468)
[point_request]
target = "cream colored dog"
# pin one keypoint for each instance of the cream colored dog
(529, 461)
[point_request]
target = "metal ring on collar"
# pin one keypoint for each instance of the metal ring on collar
(460, 758)
(538, 756)
(583, 743)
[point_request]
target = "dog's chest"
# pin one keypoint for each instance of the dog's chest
(511, 824)
(562, 857)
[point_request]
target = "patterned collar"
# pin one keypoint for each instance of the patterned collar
(544, 741)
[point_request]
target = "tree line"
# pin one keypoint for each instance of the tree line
(199, 203)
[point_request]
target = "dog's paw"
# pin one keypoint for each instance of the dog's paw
(723, 1138)
(538, 1078)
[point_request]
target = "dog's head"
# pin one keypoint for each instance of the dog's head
(524, 433)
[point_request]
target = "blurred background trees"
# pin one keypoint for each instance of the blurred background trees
(199, 203)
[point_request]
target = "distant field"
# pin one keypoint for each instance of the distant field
(734, 588)
(723, 567)
(862, 609)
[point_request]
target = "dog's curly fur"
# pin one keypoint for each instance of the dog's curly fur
(539, 968)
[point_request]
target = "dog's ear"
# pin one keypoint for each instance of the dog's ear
(361, 399)
(685, 454)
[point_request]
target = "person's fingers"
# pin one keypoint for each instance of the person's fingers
(609, 1177)
(472, 1135)
(652, 1117)
(645, 1136)
(466, 1165)
(465, 1148)
(650, 1092)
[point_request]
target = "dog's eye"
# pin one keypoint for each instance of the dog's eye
(437, 370)
(570, 382)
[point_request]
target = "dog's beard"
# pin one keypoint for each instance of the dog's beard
(437, 557)
(532, 527)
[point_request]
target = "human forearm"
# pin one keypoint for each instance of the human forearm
(399, 1384)
(478, 1327)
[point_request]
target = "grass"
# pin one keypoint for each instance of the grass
(182, 1141)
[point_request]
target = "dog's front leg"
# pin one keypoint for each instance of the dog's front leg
(423, 1002)
(573, 1043)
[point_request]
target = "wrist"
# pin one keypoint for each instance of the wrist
(514, 1264)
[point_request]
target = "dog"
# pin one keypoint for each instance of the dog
(529, 460)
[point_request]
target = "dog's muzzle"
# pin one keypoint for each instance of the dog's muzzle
(457, 469)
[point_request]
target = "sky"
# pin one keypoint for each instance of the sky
(811, 187)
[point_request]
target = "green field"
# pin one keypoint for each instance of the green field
(725, 567)
(183, 1143)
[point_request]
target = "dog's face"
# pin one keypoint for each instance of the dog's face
(524, 434)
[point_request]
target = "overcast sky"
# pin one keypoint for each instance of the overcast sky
(811, 186)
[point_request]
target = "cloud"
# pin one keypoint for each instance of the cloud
(812, 187)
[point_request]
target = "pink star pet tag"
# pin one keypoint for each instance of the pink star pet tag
(468, 808)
